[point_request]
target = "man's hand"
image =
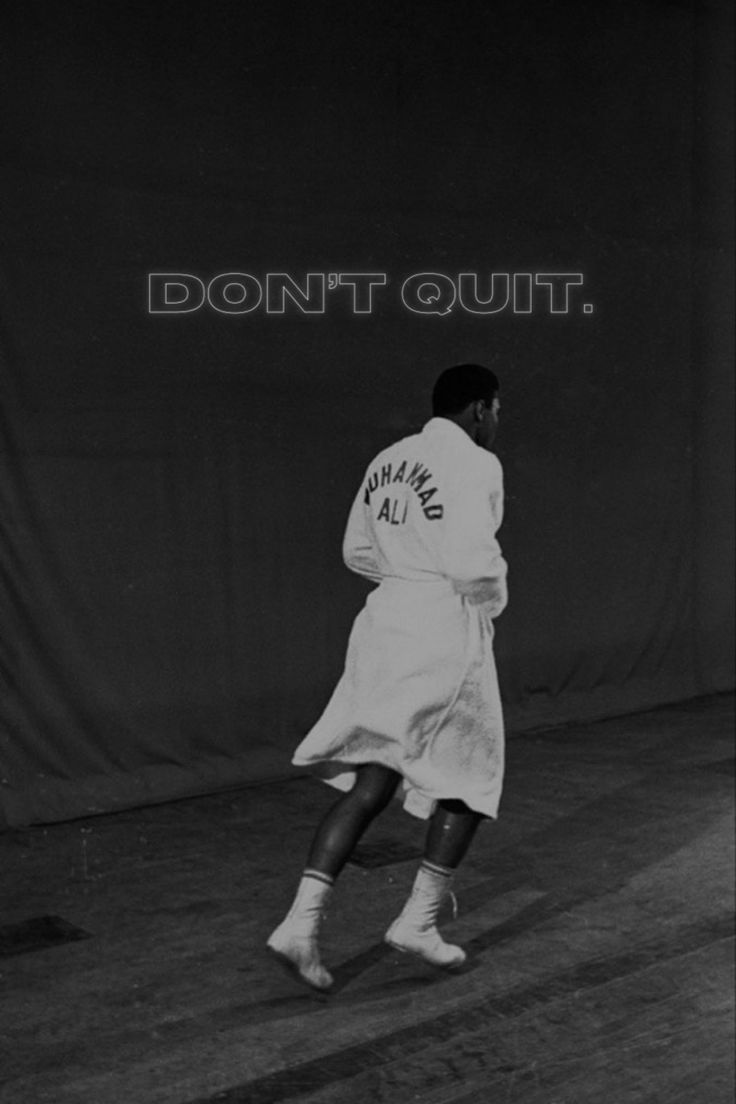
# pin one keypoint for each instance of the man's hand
(485, 592)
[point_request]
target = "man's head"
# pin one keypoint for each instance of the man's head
(468, 395)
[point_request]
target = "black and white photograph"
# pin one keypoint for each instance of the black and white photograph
(367, 552)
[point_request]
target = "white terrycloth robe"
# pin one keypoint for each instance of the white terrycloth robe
(419, 693)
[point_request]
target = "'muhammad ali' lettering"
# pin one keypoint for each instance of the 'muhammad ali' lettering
(392, 510)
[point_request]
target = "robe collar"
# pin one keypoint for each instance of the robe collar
(446, 428)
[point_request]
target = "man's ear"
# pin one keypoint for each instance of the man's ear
(478, 410)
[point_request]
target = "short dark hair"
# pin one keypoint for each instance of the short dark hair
(461, 385)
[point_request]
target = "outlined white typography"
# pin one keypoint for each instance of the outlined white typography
(316, 293)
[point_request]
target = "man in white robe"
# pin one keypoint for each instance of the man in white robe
(418, 705)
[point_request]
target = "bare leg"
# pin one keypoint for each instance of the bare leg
(451, 831)
(450, 834)
(349, 817)
(295, 939)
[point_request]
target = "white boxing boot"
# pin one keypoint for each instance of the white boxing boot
(415, 929)
(294, 941)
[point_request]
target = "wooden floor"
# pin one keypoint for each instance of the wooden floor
(598, 913)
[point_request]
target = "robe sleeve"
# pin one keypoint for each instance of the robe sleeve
(358, 550)
(470, 555)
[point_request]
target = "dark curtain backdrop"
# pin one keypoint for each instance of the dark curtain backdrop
(174, 488)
